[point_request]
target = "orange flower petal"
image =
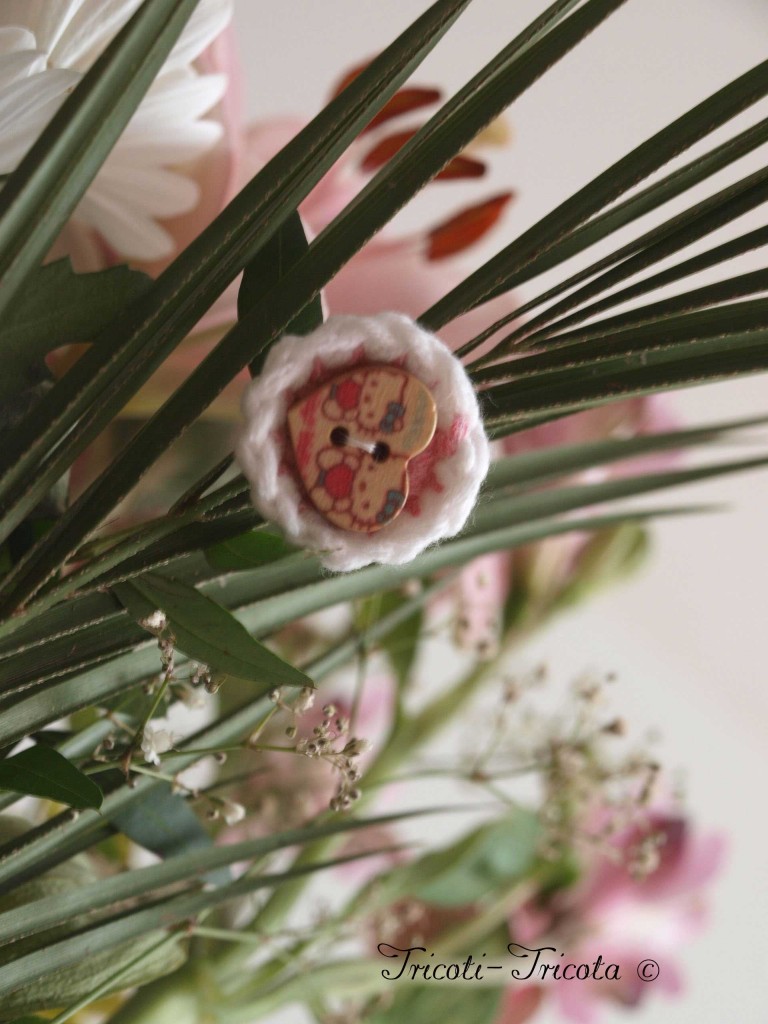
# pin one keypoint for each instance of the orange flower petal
(405, 100)
(385, 149)
(466, 227)
(462, 167)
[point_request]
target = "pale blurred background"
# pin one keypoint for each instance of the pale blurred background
(687, 637)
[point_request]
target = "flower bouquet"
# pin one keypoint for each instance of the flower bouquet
(266, 458)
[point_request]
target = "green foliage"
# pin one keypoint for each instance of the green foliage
(41, 193)
(206, 631)
(487, 860)
(248, 551)
(400, 644)
(106, 377)
(459, 1002)
(271, 263)
(55, 988)
(59, 307)
(610, 557)
(164, 823)
(42, 771)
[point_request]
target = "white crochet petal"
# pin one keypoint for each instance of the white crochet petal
(384, 338)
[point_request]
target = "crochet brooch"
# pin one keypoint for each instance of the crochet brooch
(363, 440)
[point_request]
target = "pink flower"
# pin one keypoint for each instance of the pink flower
(624, 917)
(519, 1005)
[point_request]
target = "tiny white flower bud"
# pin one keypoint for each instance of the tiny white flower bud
(231, 811)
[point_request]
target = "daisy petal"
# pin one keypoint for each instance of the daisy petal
(45, 48)
(90, 29)
(23, 64)
(170, 144)
(128, 231)
(210, 19)
(14, 38)
(25, 108)
(180, 95)
(152, 190)
(48, 19)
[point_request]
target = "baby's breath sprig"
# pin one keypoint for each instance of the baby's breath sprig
(329, 742)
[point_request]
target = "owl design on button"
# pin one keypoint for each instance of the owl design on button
(353, 438)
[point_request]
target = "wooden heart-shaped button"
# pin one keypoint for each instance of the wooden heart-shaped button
(353, 438)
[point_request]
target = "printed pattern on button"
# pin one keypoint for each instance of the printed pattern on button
(353, 438)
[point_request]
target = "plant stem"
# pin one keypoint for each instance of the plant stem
(410, 734)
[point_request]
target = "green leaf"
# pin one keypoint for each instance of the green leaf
(245, 551)
(25, 711)
(41, 193)
(632, 366)
(103, 634)
(248, 551)
(722, 328)
(609, 557)
(488, 859)
(449, 1003)
(283, 250)
(28, 970)
(59, 839)
(52, 910)
(518, 261)
(654, 312)
(122, 965)
(59, 307)
(655, 245)
(618, 215)
(207, 632)
(42, 771)
(164, 823)
(401, 644)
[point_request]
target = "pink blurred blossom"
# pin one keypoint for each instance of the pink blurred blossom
(624, 918)
(287, 789)
(519, 1005)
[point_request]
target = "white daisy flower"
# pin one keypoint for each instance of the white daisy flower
(46, 46)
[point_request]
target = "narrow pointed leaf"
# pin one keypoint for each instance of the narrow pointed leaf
(659, 243)
(509, 267)
(189, 866)
(42, 771)
(284, 249)
(707, 295)
(59, 307)
(207, 632)
(132, 924)
(24, 712)
(639, 373)
(248, 551)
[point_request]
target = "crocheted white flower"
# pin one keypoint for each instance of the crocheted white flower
(46, 46)
(444, 478)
